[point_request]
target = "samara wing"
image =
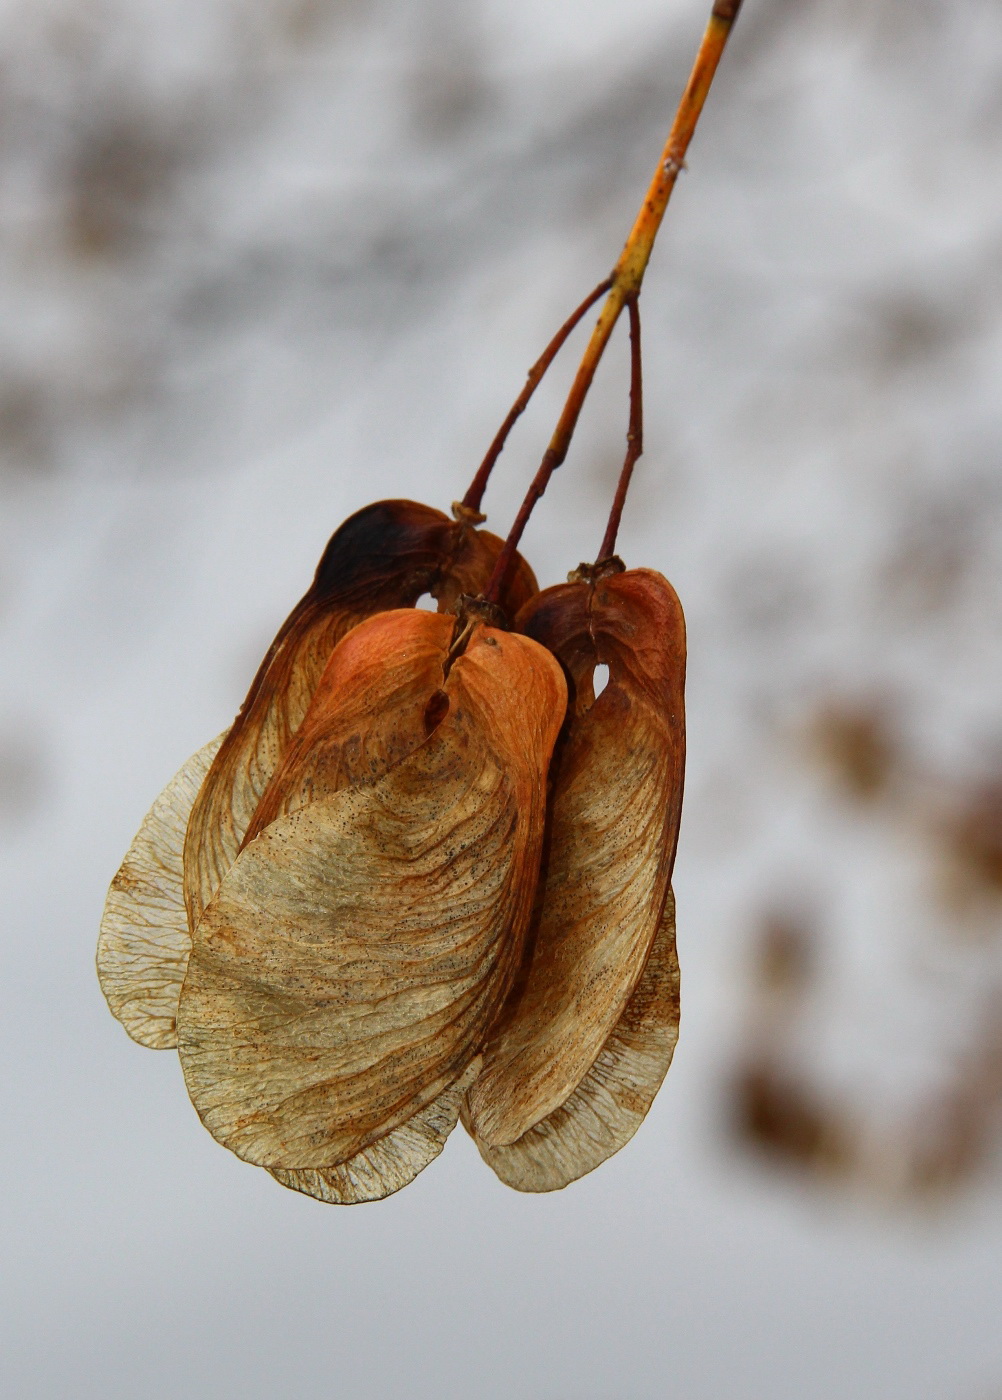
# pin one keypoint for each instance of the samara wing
(379, 698)
(615, 805)
(143, 947)
(391, 1162)
(612, 1100)
(356, 955)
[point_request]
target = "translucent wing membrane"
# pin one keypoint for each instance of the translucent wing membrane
(143, 948)
(615, 805)
(391, 1162)
(612, 1100)
(357, 953)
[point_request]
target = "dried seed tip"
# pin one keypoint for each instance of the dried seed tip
(727, 10)
(469, 609)
(461, 634)
(466, 515)
(593, 573)
(436, 710)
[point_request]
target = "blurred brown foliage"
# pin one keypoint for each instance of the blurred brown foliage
(783, 1104)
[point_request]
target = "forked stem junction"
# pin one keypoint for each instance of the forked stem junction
(475, 495)
(624, 285)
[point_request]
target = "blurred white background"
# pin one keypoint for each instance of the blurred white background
(264, 262)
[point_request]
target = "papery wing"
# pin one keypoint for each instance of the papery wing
(369, 712)
(143, 947)
(391, 1162)
(612, 1100)
(375, 704)
(615, 806)
(358, 951)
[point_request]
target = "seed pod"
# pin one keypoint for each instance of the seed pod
(378, 699)
(349, 969)
(615, 806)
(384, 556)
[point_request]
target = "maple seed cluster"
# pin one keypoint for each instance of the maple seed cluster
(424, 875)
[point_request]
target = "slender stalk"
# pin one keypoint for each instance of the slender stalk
(475, 495)
(634, 434)
(628, 274)
(629, 271)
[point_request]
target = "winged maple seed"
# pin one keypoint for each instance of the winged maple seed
(385, 556)
(378, 700)
(336, 910)
(589, 1034)
(349, 969)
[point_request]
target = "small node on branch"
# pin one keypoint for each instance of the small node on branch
(466, 515)
(469, 612)
(473, 610)
(594, 573)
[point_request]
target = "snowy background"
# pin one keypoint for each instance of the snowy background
(262, 263)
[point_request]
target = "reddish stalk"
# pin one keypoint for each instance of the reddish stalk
(475, 495)
(628, 273)
(634, 434)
